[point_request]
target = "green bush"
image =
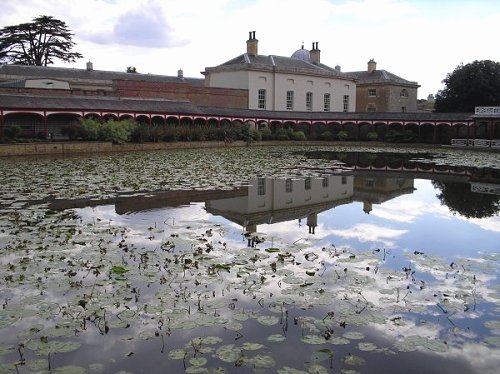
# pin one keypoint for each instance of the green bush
(90, 129)
(299, 136)
(326, 135)
(266, 134)
(282, 137)
(371, 135)
(73, 131)
(110, 131)
(12, 132)
(342, 135)
(405, 136)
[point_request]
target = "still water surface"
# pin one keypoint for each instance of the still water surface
(353, 265)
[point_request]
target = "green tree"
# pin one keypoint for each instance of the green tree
(468, 86)
(37, 43)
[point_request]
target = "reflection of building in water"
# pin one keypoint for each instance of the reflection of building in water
(277, 200)
(376, 190)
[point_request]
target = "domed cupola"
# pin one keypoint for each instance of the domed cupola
(302, 54)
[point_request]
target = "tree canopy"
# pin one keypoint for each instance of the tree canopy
(37, 43)
(470, 85)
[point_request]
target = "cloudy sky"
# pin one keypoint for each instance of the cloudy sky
(419, 40)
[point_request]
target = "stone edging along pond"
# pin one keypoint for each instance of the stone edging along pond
(68, 148)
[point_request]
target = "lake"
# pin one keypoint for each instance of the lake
(251, 260)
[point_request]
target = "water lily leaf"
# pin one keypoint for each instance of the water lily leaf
(289, 370)
(272, 250)
(177, 354)
(366, 347)
(198, 361)
(276, 338)
(493, 340)
(268, 320)
(41, 347)
(322, 354)
(313, 339)
(353, 360)
(353, 335)
(118, 270)
(247, 346)
(228, 353)
(69, 370)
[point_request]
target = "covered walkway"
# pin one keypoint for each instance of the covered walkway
(39, 116)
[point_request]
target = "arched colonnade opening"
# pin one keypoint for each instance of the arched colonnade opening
(40, 124)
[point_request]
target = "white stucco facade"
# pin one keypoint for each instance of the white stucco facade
(280, 83)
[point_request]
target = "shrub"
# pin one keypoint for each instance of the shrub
(326, 135)
(342, 135)
(266, 134)
(12, 131)
(406, 136)
(371, 135)
(299, 136)
(282, 137)
(72, 131)
(90, 129)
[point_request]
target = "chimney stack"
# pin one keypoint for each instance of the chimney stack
(180, 74)
(315, 53)
(252, 44)
(372, 65)
(90, 66)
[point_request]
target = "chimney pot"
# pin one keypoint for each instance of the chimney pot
(372, 65)
(252, 44)
(315, 54)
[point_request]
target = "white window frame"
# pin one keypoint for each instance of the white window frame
(326, 102)
(345, 102)
(309, 101)
(307, 183)
(372, 92)
(261, 186)
(289, 100)
(261, 99)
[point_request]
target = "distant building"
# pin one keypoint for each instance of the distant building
(426, 105)
(297, 83)
(382, 91)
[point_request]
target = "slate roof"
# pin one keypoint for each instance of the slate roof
(97, 103)
(287, 64)
(380, 76)
(30, 71)
(163, 106)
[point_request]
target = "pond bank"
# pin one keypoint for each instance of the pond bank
(69, 148)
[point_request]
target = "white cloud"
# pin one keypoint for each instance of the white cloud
(365, 232)
(419, 41)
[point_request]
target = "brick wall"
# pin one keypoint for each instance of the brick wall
(201, 96)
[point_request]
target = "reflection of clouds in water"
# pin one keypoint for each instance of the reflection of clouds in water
(365, 232)
(490, 223)
(408, 210)
(289, 231)
(482, 358)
